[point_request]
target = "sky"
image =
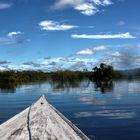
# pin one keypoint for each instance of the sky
(52, 35)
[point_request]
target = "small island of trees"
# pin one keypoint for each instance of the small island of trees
(104, 73)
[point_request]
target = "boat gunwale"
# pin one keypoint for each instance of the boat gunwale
(73, 126)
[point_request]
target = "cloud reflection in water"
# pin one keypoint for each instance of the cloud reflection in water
(110, 114)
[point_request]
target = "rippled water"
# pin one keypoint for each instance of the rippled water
(108, 113)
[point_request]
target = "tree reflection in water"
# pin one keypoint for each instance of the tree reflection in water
(7, 87)
(101, 86)
(104, 86)
(61, 85)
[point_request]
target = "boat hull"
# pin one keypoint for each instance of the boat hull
(40, 121)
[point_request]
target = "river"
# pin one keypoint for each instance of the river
(108, 112)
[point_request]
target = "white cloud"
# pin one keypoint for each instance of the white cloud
(60, 4)
(50, 25)
(92, 50)
(85, 52)
(9, 39)
(11, 34)
(102, 2)
(63, 63)
(105, 36)
(116, 54)
(4, 5)
(119, 60)
(12, 41)
(100, 48)
(121, 23)
(86, 7)
(97, 2)
(106, 2)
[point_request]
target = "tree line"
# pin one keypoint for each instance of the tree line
(102, 73)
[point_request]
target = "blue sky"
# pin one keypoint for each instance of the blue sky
(69, 34)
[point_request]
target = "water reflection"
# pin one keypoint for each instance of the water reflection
(104, 86)
(84, 86)
(84, 103)
(7, 88)
(95, 100)
(67, 86)
(110, 114)
(56, 85)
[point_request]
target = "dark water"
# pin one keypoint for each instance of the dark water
(108, 112)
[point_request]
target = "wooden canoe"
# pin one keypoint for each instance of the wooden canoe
(40, 121)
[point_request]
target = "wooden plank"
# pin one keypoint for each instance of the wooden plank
(41, 121)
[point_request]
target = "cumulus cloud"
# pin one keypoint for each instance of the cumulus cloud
(127, 60)
(50, 25)
(4, 5)
(118, 59)
(11, 34)
(63, 63)
(91, 50)
(127, 57)
(86, 7)
(51, 64)
(126, 35)
(60, 4)
(80, 65)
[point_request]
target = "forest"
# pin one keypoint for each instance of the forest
(102, 73)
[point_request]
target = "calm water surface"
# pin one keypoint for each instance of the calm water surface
(108, 113)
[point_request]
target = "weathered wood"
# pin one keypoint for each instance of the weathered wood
(40, 121)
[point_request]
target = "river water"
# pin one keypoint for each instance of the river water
(107, 112)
